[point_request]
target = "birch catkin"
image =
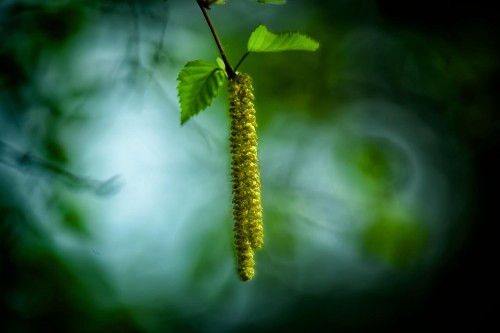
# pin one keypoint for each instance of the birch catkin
(247, 207)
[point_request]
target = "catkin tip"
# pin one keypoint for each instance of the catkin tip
(246, 274)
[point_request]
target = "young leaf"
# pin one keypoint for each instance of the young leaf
(199, 83)
(221, 65)
(262, 40)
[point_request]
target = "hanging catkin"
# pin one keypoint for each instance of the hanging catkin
(247, 208)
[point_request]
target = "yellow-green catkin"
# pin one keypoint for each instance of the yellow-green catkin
(247, 207)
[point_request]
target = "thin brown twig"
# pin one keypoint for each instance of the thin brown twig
(229, 70)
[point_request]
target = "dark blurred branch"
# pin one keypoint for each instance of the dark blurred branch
(27, 163)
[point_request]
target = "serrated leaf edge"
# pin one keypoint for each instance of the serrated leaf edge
(210, 100)
(283, 34)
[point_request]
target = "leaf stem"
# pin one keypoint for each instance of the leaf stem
(241, 60)
(229, 70)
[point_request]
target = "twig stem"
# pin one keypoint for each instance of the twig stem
(229, 70)
(241, 60)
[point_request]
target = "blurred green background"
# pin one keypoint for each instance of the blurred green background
(377, 162)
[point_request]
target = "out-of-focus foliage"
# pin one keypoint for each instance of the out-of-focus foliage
(377, 154)
(272, 1)
(396, 237)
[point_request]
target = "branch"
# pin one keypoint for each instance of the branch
(27, 163)
(229, 70)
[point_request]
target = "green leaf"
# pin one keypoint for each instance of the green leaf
(199, 83)
(221, 65)
(262, 40)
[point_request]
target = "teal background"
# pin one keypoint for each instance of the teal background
(377, 161)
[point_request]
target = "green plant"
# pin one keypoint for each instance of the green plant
(198, 84)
